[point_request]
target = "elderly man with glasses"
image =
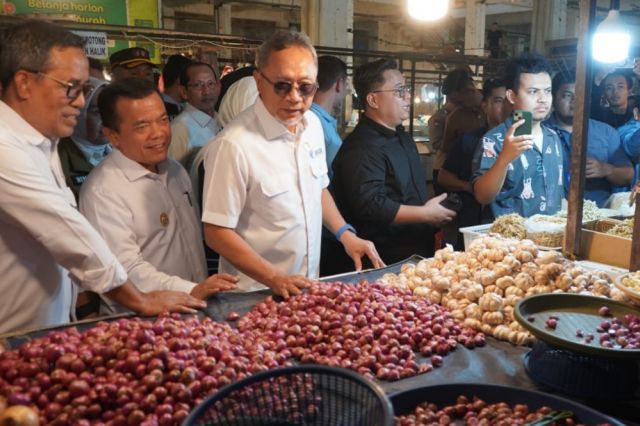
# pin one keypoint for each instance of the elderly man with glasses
(379, 183)
(44, 240)
(197, 124)
(265, 195)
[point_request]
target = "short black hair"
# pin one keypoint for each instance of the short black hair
(620, 73)
(562, 77)
(526, 63)
(184, 75)
(330, 70)
(456, 81)
(27, 45)
(370, 76)
(489, 85)
(131, 88)
(172, 69)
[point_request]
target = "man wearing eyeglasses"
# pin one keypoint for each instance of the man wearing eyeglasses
(265, 197)
(197, 124)
(379, 183)
(43, 237)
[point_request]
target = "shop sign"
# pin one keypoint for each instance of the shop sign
(96, 43)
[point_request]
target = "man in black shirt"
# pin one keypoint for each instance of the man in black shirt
(379, 184)
(494, 37)
(616, 90)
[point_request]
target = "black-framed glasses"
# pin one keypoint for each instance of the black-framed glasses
(399, 92)
(283, 88)
(74, 89)
(199, 85)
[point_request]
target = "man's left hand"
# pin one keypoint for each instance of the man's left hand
(357, 247)
(597, 169)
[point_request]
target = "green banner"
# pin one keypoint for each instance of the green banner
(138, 13)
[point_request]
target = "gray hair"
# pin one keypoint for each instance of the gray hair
(280, 40)
(28, 44)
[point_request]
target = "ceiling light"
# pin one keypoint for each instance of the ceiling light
(611, 40)
(427, 10)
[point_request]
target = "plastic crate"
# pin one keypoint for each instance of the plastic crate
(470, 233)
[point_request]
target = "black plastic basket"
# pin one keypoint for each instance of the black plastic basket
(295, 396)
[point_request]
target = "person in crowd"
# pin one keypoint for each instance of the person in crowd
(151, 222)
(197, 124)
(87, 146)
(607, 164)
(455, 175)
(265, 195)
(379, 183)
(494, 36)
(239, 91)
(522, 174)
(452, 86)
(328, 102)
(44, 240)
(466, 116)
(131, 62)
(172, 95)
(96, 69)
(616, 89)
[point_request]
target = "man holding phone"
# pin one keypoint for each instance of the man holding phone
(520, 170)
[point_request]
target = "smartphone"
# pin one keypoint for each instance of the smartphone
(525, 129)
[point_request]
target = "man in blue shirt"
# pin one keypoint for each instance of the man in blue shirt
(328, 101)
(607, 164)
(522, 174)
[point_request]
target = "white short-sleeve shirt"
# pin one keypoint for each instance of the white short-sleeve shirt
(266, 183)
(43, 237)
(149, 220)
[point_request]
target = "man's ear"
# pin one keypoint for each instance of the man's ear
(511, 96)
(21, 84)
(372, 100)
(183, 92)
(112, 136)
(339, 85)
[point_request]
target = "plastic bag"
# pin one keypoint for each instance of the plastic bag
(546, 231)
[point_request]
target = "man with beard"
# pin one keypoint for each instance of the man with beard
(522, 174)
(607, 164)
(197, 124)
(379, 183)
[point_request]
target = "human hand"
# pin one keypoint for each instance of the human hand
(288, 285)
(597, 169)
(356, 248)
(436, 214)
(514, 146)
(214, 284)
(636, 114)
(157, 302)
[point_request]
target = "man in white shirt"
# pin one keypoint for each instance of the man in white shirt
(43, 237)
(150, 221)
(197, 124)
(266, 194)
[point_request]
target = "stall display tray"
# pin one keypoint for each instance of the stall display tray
(573, 312)
(405, 402)
(371, 275)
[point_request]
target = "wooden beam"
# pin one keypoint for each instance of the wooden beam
(634, 261)
(580, 128)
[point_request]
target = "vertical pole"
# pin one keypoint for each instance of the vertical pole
(580, 128)
(412, 106)
(634, 262)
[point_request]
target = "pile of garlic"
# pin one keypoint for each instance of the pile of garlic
(482, 285)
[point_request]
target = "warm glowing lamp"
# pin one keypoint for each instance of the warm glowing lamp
(428, 10)
(611, 40)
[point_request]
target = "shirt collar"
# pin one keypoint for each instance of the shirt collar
(19, 125)
(365, 120)
(134, 171)
(202, 118)
(323, 114)
(273, 129)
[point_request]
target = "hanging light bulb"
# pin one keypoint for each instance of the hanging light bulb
(611, 40)
(427, 10)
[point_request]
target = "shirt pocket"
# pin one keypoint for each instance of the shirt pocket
(274, 188)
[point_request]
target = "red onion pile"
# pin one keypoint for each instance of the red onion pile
(478, 412)
(615, 334)
(128, 371)
(370, 328)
